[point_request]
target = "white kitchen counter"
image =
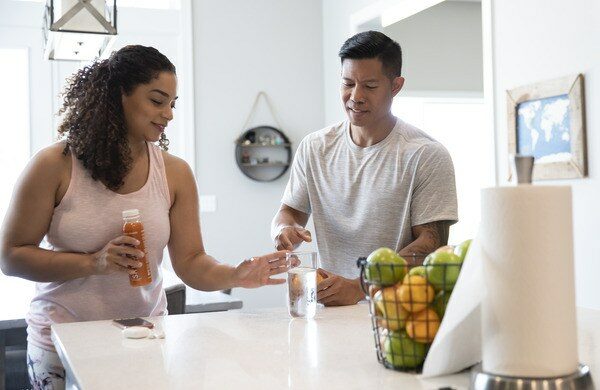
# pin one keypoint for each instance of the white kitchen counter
(257, 350)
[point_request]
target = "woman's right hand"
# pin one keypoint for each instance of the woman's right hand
(119, 254)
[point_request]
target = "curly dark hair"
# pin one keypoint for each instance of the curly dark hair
(94, 122)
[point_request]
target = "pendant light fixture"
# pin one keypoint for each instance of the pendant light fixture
(79, 30)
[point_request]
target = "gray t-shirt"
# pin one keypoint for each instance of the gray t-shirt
(365, 198)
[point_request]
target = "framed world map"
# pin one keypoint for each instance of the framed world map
(546, 121)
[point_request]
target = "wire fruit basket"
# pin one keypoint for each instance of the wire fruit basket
(407, 302)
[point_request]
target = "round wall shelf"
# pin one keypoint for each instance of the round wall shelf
(263, 153)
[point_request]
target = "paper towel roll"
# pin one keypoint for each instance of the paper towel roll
(528, 314)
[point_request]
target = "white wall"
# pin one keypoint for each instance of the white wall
(442, 48)
(336, 29)
(241, 48)
(541, 39)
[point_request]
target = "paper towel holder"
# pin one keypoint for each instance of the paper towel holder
(522, 168)
(579, 380)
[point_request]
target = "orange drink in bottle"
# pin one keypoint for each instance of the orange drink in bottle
(133, 227)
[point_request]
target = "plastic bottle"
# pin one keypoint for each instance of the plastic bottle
(132, 227)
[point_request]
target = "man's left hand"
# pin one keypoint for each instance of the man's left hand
(336, 290)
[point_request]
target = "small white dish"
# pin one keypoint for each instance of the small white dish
(136, 332)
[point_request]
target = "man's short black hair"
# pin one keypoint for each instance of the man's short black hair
(374, 44)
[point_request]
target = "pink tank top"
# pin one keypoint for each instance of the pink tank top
(87, 218)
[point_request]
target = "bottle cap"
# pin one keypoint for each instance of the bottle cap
(131, 213)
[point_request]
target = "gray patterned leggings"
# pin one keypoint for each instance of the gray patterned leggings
(46, 372)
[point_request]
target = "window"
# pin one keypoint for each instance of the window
(459, 124)
(14, 153)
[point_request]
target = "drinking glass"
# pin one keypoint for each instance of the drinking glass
(302, 283)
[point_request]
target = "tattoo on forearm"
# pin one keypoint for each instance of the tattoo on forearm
(437, 232)
(429, 237)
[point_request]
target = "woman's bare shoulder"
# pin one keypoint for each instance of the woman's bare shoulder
(52, 159)
(48, 173)
(180, 177)
(175, 166)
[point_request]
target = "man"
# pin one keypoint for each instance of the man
(370, 181)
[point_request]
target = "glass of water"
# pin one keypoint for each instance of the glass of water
(302, 283)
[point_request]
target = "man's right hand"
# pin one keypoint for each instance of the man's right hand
(290, 237)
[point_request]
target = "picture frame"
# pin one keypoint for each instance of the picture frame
(547, 120)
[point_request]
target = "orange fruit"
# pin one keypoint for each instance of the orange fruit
(415, 293)
(388, 304)
(423, 326)
(392, 325)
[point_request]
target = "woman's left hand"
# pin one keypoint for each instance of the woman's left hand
(257, 271)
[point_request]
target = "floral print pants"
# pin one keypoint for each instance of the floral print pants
(46, 372)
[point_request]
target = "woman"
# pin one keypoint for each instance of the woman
(74, 191)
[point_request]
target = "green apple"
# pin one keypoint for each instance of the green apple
(420, 270)
(440, 302)
(442, 270)
(385, 267)
(403, 352)
(462, 249)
